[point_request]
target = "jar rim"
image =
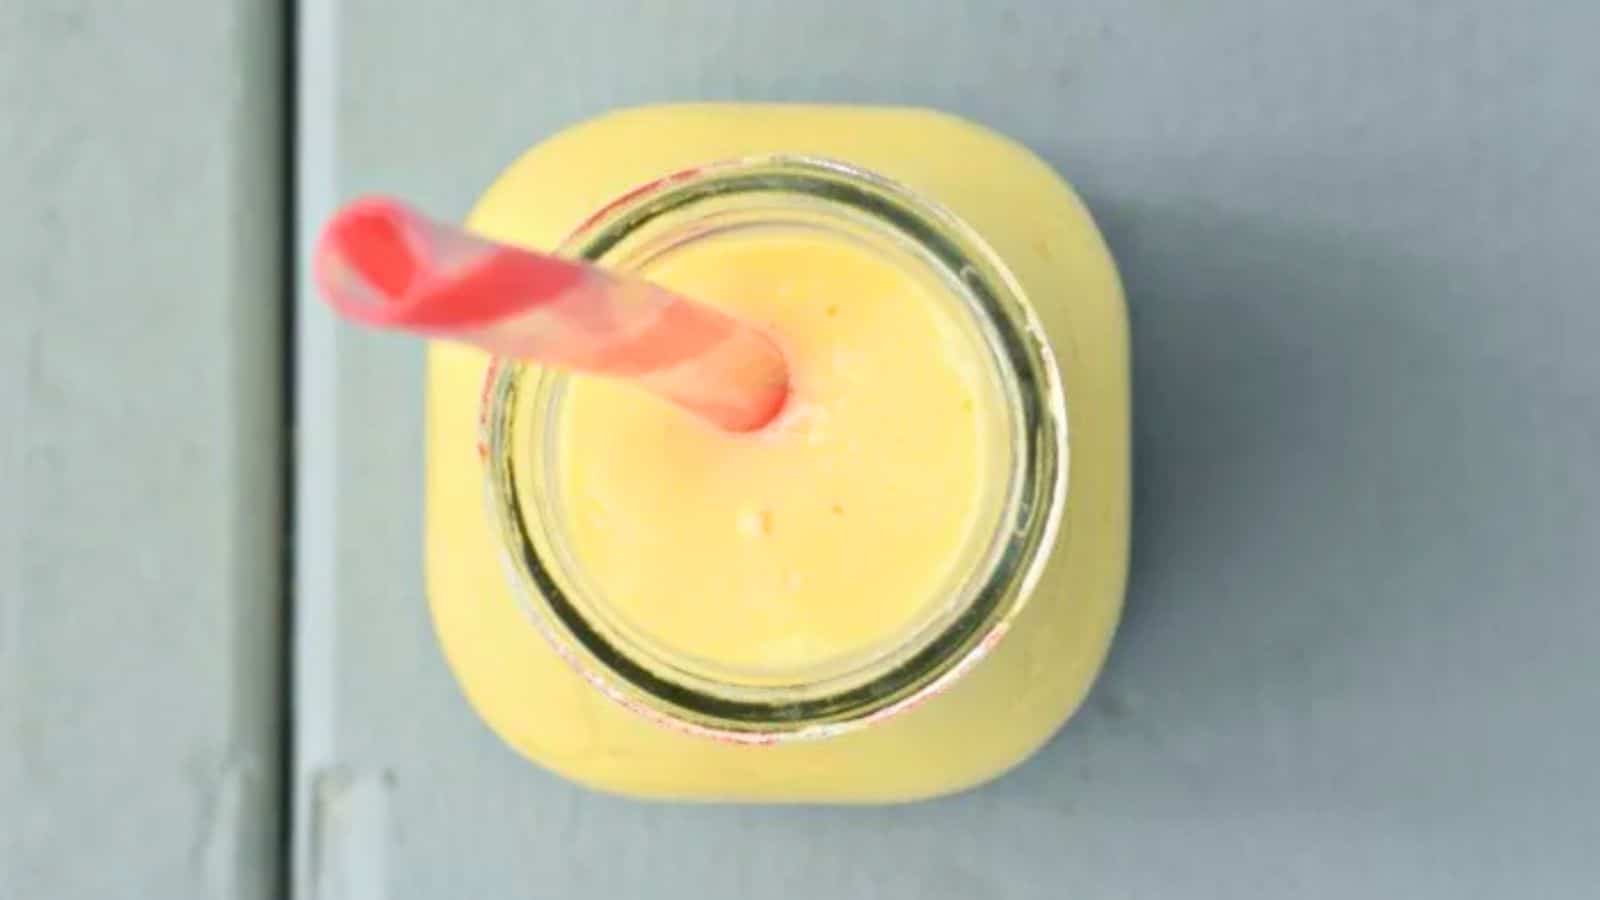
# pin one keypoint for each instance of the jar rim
(1008, 573)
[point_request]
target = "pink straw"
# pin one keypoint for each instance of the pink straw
(381, 263)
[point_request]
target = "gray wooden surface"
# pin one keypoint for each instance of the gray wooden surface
(1359, 246)
(141, 289)
(1359, 243)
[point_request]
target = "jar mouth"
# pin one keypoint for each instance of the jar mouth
(521, 412)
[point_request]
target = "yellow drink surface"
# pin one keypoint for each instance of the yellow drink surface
(823, 535)
(898, 455)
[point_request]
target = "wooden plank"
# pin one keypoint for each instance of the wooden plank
(140, 448)
(1358, 659)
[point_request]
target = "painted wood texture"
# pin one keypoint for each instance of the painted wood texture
(141, 450)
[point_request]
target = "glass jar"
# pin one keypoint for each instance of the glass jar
(951, 700)
(997, 575)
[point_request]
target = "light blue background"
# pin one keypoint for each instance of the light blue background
(1360, 252)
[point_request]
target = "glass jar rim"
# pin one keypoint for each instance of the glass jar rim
(1009, 571)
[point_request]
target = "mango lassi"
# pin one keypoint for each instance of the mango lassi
(827, 533)
(893, 591)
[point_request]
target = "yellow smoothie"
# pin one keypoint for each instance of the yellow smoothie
(828, 537)
(825, 534)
